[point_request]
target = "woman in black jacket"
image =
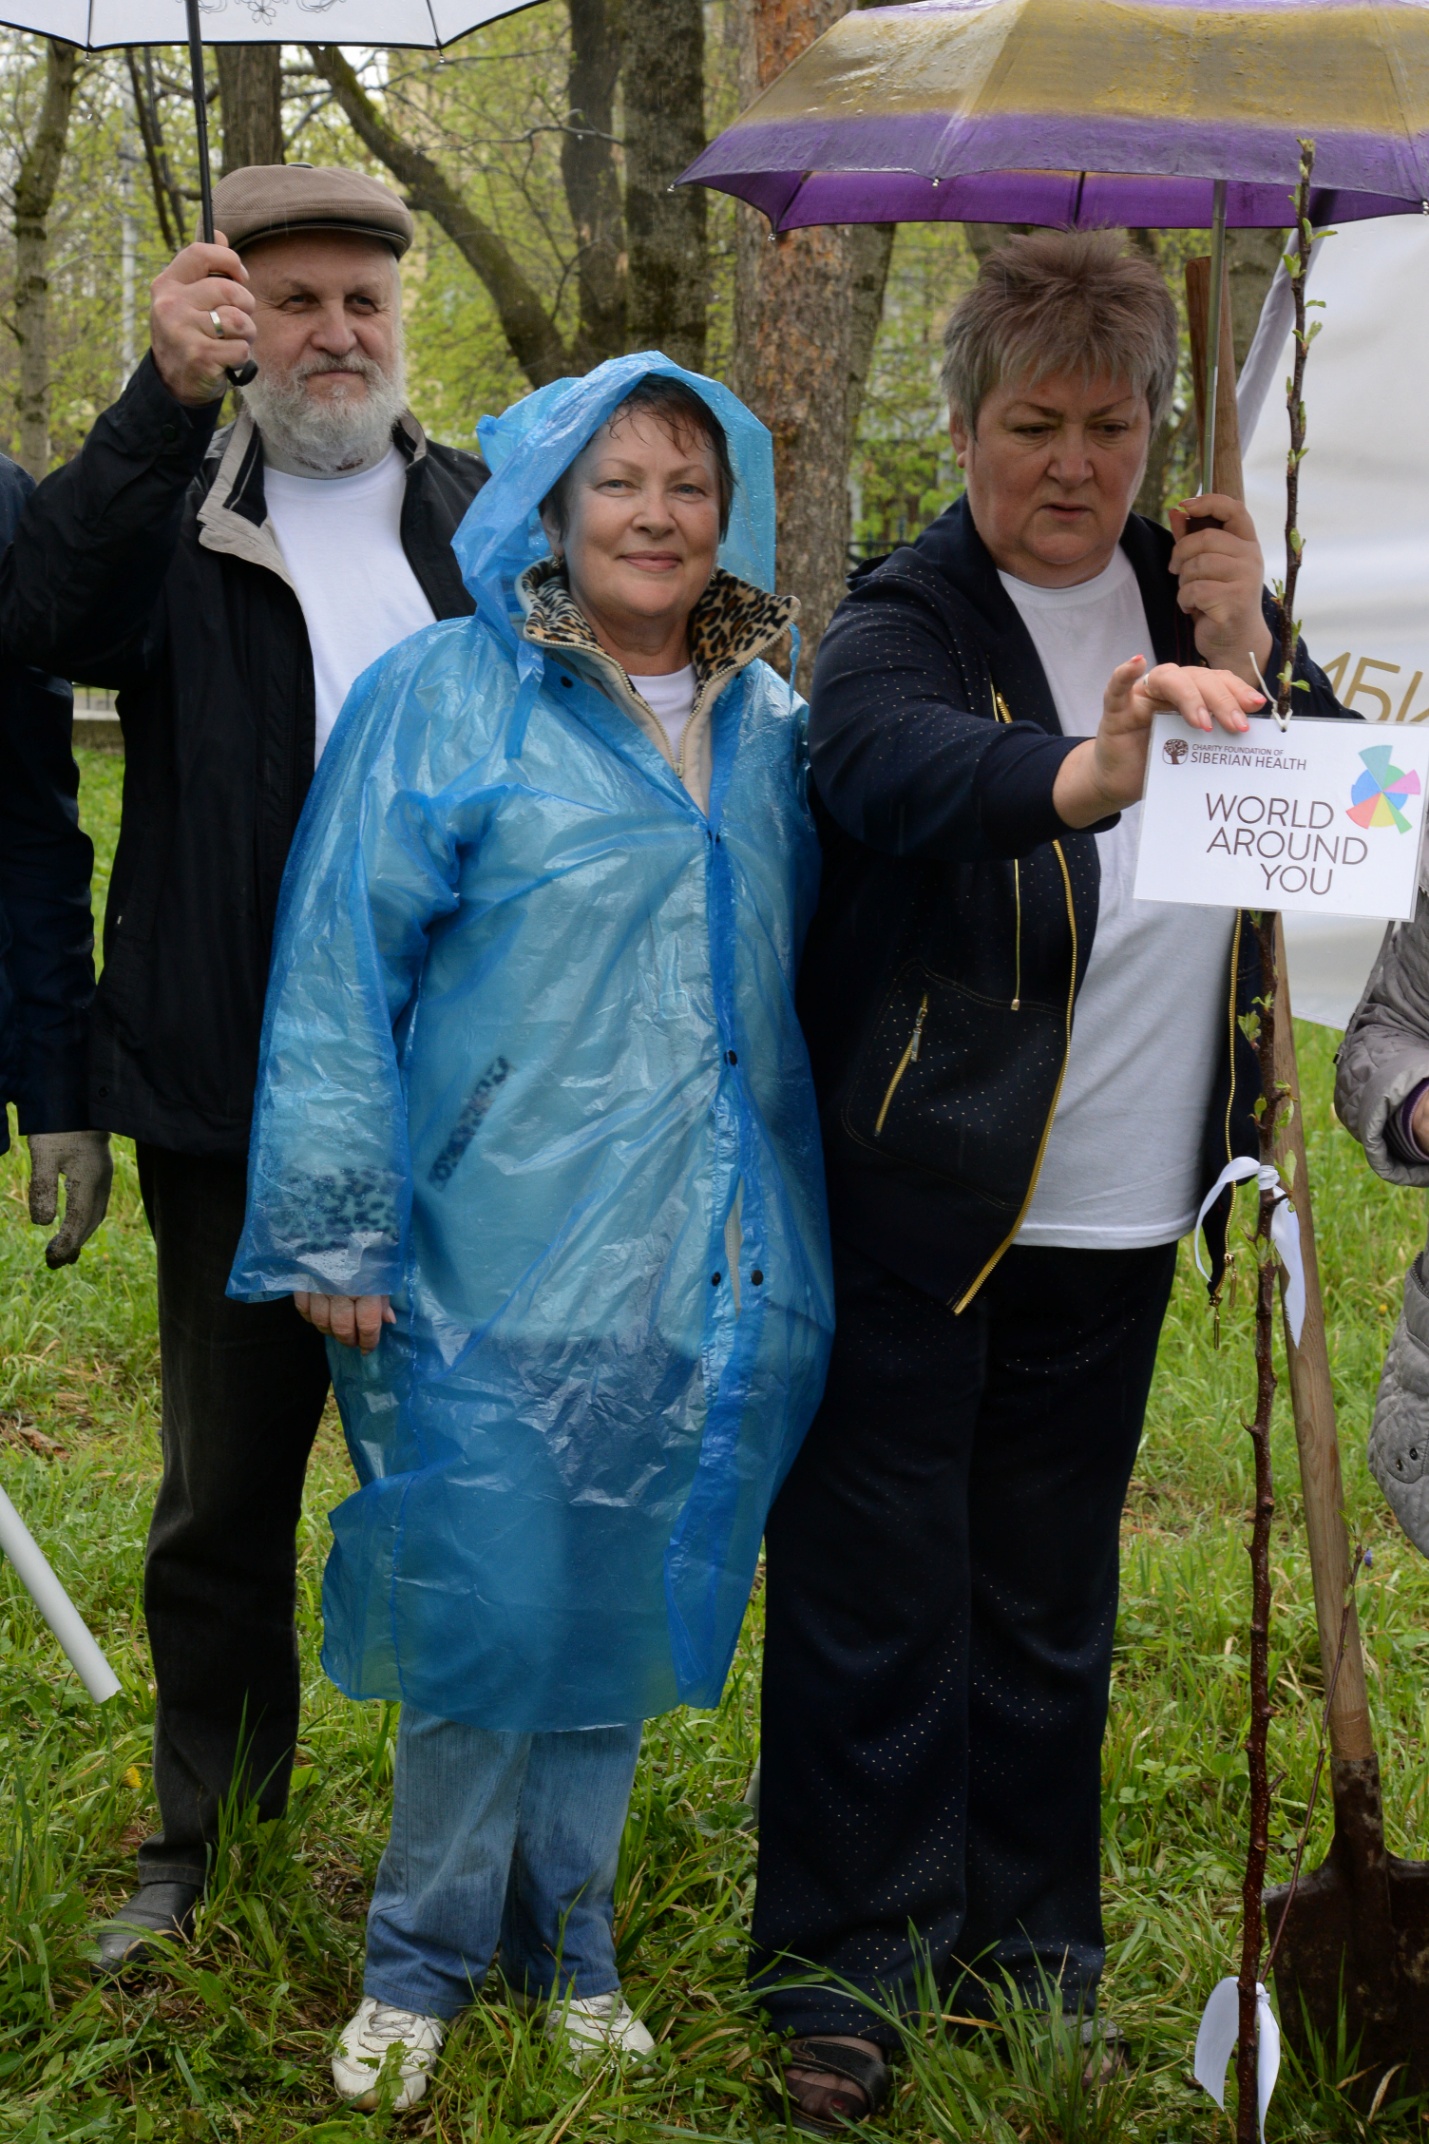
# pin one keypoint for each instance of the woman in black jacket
(1027, 1080)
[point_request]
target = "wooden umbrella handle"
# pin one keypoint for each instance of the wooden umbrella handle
(1313, 1398)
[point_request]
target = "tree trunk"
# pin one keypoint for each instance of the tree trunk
(531, 335)
(35, 184)
(592, 182)
(985, 238)
(870, 248)
(1161, 454)
(1252, 258)
(807, 307)
(663, 92)
(250, 95)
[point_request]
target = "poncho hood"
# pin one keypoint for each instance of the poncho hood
(534, 441)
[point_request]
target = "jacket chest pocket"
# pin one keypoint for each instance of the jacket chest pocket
(957, 1083)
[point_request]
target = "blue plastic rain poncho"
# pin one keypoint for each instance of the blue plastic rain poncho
(531, 1066)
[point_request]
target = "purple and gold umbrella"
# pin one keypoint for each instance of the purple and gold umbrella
(1164, 114)
(1089, 112)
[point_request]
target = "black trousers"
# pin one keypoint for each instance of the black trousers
(244, 1387)
(941, 1601)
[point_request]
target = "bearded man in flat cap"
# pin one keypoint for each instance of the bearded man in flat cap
(231, 585)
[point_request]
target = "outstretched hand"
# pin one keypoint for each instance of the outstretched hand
(1108, 772)
(355, 1320)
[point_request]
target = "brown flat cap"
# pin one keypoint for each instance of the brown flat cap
(272, 200)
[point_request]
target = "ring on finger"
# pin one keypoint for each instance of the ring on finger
(218, 327)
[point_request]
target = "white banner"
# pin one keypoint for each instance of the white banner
(1364, 515)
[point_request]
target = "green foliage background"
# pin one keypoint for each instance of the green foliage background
(490, 109)
(232, 2041)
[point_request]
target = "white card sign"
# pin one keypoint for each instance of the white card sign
(1326, 818)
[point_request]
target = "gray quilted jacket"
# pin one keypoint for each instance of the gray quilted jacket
(1383, 1058)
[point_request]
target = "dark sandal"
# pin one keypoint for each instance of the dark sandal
(867, 2073)
(1108, 2052)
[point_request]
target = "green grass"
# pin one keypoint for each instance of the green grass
(231, 2043)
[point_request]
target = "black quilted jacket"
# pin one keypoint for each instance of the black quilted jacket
(958, 912)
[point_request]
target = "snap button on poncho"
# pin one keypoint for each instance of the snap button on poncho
(509, 963)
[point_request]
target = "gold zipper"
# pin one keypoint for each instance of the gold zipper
(1228, 1265)
(1235, 977)
(1057, 1096)
(909, 1057)
(1017, 937)
(1003, 713)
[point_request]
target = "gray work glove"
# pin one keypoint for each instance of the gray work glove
(82, 1159)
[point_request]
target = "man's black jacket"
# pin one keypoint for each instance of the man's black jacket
(148, 564)
(46, 930)
(958, 912)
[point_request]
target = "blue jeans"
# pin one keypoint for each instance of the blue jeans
(499, 1840)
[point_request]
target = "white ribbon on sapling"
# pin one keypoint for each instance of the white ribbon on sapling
(1284, 1231)
(1215, 2042)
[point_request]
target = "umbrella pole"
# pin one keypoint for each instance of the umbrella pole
(1213, 328)
(200, 86)
(238, 375)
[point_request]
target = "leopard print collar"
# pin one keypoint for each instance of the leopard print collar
(732, 624)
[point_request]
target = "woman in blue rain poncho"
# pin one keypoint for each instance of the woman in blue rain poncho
(535, 1128)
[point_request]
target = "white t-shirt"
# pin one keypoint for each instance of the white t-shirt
(341, 540)
(1122, 1166)
(670, 699)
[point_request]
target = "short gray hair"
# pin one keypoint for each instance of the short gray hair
(1062, 302)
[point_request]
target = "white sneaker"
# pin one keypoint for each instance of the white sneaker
(361, 2051)
(599, 2024)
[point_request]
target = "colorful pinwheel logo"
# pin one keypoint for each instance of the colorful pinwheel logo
(1380, 792)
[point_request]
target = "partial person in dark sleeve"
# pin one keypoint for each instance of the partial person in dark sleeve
(1028, 1080)
(46, 943)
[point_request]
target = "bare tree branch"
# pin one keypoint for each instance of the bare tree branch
(533, 337)
(168, 196)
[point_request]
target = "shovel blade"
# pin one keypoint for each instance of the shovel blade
(1361, 1948)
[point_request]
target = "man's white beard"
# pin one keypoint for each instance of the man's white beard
(328, 437)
